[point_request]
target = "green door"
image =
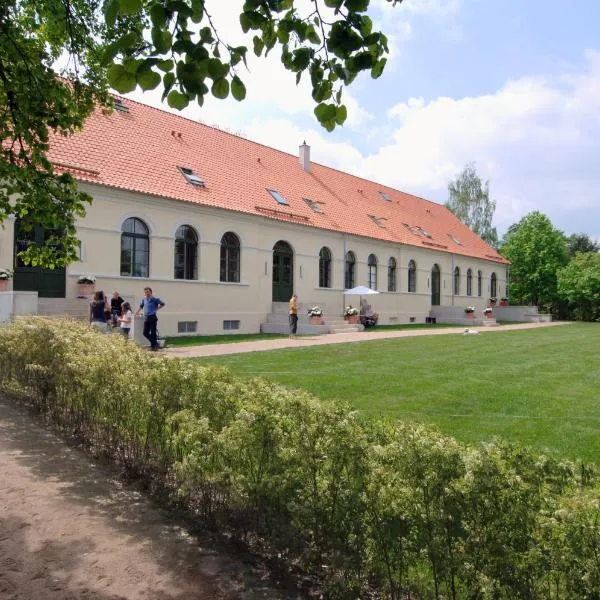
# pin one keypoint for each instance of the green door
(435, 286)
(48, 283)
(283, 272)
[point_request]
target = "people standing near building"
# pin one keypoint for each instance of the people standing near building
(150, 305)
(97, 314)
(116, 302)
(293, 316)
(126, 319)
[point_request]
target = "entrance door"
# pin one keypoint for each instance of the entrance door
(435, 286)
(48, 283)
(283, 272)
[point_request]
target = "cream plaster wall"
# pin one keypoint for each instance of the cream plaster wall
(209, 301)
(6, 245)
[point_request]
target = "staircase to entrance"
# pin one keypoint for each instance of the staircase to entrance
(277, 320)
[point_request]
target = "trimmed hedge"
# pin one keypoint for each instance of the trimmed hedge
(375, 509)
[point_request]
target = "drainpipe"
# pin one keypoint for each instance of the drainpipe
(452, 280)
(344, 274)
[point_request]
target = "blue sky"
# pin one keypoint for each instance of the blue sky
(512, 85)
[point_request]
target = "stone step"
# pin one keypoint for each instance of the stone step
(77, 308)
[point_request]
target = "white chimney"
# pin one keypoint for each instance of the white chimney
(305, 156)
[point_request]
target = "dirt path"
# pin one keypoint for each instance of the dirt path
(70, 530)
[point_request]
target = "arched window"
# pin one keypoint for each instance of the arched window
(325, 267)
(493, 286)
(135, 248)
(392, 274)
(230, 258)
(469, 282)
(349, 269)
(372, 264)
(186, 253)
(412, 276)
(479, 283)
(456, 281)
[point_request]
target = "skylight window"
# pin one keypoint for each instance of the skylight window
(379, 221)
(278, 197)
(191, 177)
(423, 231)
(314, 205)
(120, 106)
(455, 239)
(385, 196)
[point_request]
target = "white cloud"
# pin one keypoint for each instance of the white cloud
(537, 139)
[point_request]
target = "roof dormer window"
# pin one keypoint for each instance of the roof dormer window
(120, 106)
(455, 239)
(278, 197)
(385, 196)
(191, 177)
(379, 221)
(314, 205)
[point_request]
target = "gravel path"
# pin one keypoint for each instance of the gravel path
(71, 530)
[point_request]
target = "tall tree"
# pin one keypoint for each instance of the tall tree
(581, 242)
(127, 44)
(536, 251)
(579, 284)
(469, 199)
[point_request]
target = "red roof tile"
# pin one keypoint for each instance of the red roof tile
(140, 151)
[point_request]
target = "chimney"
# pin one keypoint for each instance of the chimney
(305, 156)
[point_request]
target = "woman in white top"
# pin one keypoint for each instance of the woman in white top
(126, 319)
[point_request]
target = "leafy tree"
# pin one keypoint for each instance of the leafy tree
(579, 283)
(537, 251)
(581, 242)
(469, 199)
(149, 43)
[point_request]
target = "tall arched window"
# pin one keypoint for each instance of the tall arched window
(372, 264)
(479, 283)
(230, 258)
(456, 281)
(325, 267)
(135, 248)
(469, 282)
(493, 286)
(186, 253)
(349, 270)
(412, 276)
(392, 274)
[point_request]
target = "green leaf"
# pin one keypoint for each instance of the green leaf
(220, 88)
(148, 80)
(165, 65)
(378, 67)
(258, 45)
(197, 10)
(120, 79)
(238, 89)
(325, 112)
(158, 15)
(341, 115)
(129, 7)
(111, 12)
(161, 39)
(177, 100)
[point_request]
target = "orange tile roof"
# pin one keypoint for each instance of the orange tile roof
(140, 151)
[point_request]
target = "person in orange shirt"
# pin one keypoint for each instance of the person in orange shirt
(293, 316)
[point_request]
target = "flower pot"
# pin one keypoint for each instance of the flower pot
(470, 315)
(353, 319)
(3, 285)
(503, 302)
(316, 320)
(86, 290)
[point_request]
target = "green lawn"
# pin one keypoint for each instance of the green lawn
(539, 386)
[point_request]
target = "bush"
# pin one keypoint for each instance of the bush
(387, 509)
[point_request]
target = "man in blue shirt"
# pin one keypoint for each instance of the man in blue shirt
(150, 305)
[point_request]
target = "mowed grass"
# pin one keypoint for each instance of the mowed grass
(538, 386)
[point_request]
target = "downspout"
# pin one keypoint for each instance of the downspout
(452, 280)
(343, 274)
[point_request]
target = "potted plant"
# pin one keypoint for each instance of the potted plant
(5, 275)
(492, 301)
(87, 285)
(315, 313)
(488, 312)
(503, 301)
(351, 314)
(470, 312)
